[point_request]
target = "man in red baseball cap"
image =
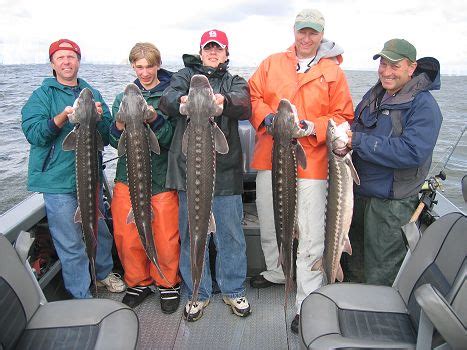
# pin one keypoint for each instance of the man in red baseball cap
(52, 170)
(231, 92)
(65, 57)
(214, 48)
(214, 36)
(64, 44)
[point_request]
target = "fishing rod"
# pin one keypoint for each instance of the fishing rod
(431, 185)
(453, 148)
(433, 182)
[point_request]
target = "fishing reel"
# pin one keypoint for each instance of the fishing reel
(434, 182)
(428, 195)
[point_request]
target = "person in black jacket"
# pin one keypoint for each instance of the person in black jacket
(233, 93)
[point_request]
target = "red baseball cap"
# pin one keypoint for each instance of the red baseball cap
(64, 44)
(216, 36)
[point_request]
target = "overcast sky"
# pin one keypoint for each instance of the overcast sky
(106, 30)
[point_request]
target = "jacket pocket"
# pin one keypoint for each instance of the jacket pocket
(48, 158)
(406, 174)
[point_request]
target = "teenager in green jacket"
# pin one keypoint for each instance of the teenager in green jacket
(140, 272)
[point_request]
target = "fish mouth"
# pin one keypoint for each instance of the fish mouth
(341, 152)
(199, 81)
(131, 88)
(85, 95)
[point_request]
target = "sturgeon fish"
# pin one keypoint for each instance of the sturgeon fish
(136, 142)
(339, 207)
(201, 140)
(86, 141)
(287, 153)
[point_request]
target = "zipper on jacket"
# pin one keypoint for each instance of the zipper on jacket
(48, 158)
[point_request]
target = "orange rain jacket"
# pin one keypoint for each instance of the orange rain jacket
(319, 94)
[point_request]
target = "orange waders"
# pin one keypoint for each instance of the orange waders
(139, 270)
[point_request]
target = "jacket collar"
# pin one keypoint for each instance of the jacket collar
(164, 81)
(52, 82)
(194, 62)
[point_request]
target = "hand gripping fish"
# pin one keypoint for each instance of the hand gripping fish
(86, 141)
(286, 154)
(137, 142)
(201, 140)
(339, 207)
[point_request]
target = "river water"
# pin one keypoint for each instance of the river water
(18, 81)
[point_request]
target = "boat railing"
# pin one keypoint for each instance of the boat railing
(22, 217)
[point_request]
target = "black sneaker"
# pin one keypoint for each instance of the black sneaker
(295, 323)
(135, 295)
(170, 298)
(260, 282)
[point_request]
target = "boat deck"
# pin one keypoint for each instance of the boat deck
(267, 327)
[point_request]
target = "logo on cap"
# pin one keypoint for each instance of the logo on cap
(214, 35)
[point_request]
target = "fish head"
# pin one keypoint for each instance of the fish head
(85, 110)
(201, 104)
(330, 132)
(285, 121)
(337, 138)
(133, 108)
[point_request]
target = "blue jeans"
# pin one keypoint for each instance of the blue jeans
(71, 250)
(230, 245)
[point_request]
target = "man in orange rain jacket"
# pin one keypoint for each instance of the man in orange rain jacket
(309, 76)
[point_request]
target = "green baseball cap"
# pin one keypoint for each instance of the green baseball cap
(397, 49)
(309, 18)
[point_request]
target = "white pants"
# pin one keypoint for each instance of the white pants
(311, 207)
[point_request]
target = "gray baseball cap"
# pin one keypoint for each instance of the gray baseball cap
(309, 18)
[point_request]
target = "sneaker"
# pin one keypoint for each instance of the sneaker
(135, 295)
(240, 306)
(113, 282)
(170, 298)
(295, 323)
(196, 310)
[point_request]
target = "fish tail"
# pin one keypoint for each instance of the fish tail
(93, 274)
(159, 270)
(289, 285)
(194, 297)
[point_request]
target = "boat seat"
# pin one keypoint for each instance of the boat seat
(29, 322)
(351, 315)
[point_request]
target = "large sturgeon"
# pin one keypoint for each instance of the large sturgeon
(286, 154)
(136, 142)
(86, 141)
(339, 207)
(201, 140)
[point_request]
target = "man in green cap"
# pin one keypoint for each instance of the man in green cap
(394, 132)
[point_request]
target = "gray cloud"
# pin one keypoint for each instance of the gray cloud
(22, 13)
(14, 9)
(236, 13)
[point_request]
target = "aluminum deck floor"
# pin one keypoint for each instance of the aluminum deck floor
(267, 327)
